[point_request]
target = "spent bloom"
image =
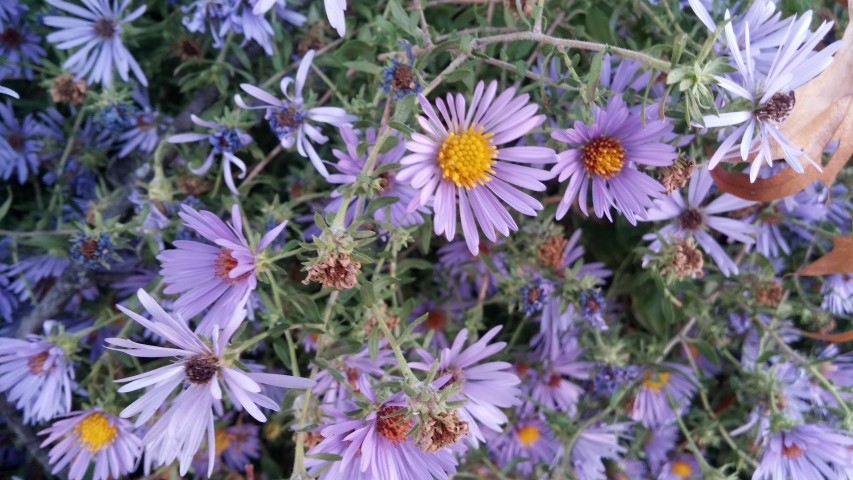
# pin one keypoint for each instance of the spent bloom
(769, 97)
(223, 140)
(486, 387)
(202, 370)
(605, 157)
(290, 118)
(93, 436)
(460, 160)
(37, 376)
(692, 219)
(218, 276)
(96, 28)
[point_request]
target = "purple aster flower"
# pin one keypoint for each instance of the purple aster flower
(34, 275)
(10, 10)
(400, 79)
(219, 276)
(235, 447)
(683, 467)
(554, 326)
(693, 220)
(806, 451)
(468, 272)
(651, 405)
(20, 143)
(459, 160)
(439, 314)
(607, 155)
(202, 370)
(486, 388)
(770, 240)
(350, 165)
(376, 447)
(791, 397)
(610, 377)
(97, 27)
(20, 47)
(93, 252)
(223, 140)
(526, 443)
(837, 291)
(8, 91)
(335, 13)
(533, 297)
(89, 436)
(838, 369)
(36, 375)
(289, 117)
(660, 442)
(8, 300)
(770, 96)
(591, 304)
(552, 389)
(145, 127)
(596, 443)
(353, 367)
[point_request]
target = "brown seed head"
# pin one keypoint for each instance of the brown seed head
(676, 176)
(336, 270)
(550, 253)
(201, 369)
(439, 431)
(777, 109)
(687, 260)
(769, 294)
(65, 89)
(403, 78)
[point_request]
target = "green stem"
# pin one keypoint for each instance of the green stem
(395, 346)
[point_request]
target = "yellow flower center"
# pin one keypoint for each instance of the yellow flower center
(681, 469)
(528, 435)
(655, 381)
(95, 431)
(466, 158)
(222, 440)
(603, 156)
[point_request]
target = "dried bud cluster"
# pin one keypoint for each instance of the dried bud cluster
(335, 270)
(550, 253)
(686, 260)
(676, 176)
(439, 431)
(769, 294)
(390, 319)
(67, 90)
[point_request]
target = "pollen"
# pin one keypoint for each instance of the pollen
(466, 158)
(95, 431)
(603, 156)
(655, 381)
(223, 265)
(681, 469)
(528, 435)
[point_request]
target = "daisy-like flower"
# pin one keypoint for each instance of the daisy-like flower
(837, 291)
(651, 405)
(682, 467)
(97, 27)
(203, 370)
(593, 445)
(37, 376)
(145, 128)
(526, 443)
(606, 155)
(350, 164)
(694, 220)
(223, 140)
(460, 159)
(810, 451)
(770, 97)
(376, 447)
(335, 13)
(289, 118)
(660, 442)
(486, 388)
(93, 436)
(235, 446)
(20, 47)
(20, 143)
(552, 389)
(218, 276)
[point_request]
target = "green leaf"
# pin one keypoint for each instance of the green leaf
(592, 78)
(364, 66)
(402, 128)
(282, 354)
(368, 295)
(4, 209)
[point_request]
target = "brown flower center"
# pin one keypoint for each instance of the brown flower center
(554, 380)
(403, 77)
(223, 265)
(89, 248)
(36, 362)
(603, 156)
(436, 320)
(385, 182)
(792, 451)
(15, 140)
(390, 423)
(200, 369)
(691, 219)
(105, 28)
(287, 117)
(11, 38)
(777, 109)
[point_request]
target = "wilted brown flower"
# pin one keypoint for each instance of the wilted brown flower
(188, 48)
(67, 90)
(550, 253)
(390, 319)
(686, 260)
(439, 431)
(335, 270)
(676, 176)
(192, 185)
(769, 294)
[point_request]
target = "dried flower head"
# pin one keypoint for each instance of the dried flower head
(65, 89)
(441, 430)
(188, 48)
(387, 315)
(769, 294)
(550, 253)
(335, 270)
(192, 185)
(676, 176)
(686, 260)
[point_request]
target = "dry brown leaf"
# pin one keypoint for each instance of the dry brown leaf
(823, 113)
(838, 260)
(830, 337)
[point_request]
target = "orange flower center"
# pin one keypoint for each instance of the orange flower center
(603, 156)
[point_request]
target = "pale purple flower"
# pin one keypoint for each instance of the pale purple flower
(20, 47)
(553, 389)
(596, 443)
(692, 219)
(37, 376)
(350, 165)
(660, 442)
(837, 291)
(651, 405)
(527, 442)
(486, 388)
(353, 367)
(290, 119)
(144, 133)
(469, 271)
(93, 436)
(218, 276)
(223, 140)
(96, 28)
(8, 91)
(376, 447)
(682, 467)
(806, 451)
(554, 325)
(770, 96)
(607, 155)
(202, 370)
(20, 144)
(237, 446)
(838, 369)
(459, 163)
(335, 10)
(244, 17)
